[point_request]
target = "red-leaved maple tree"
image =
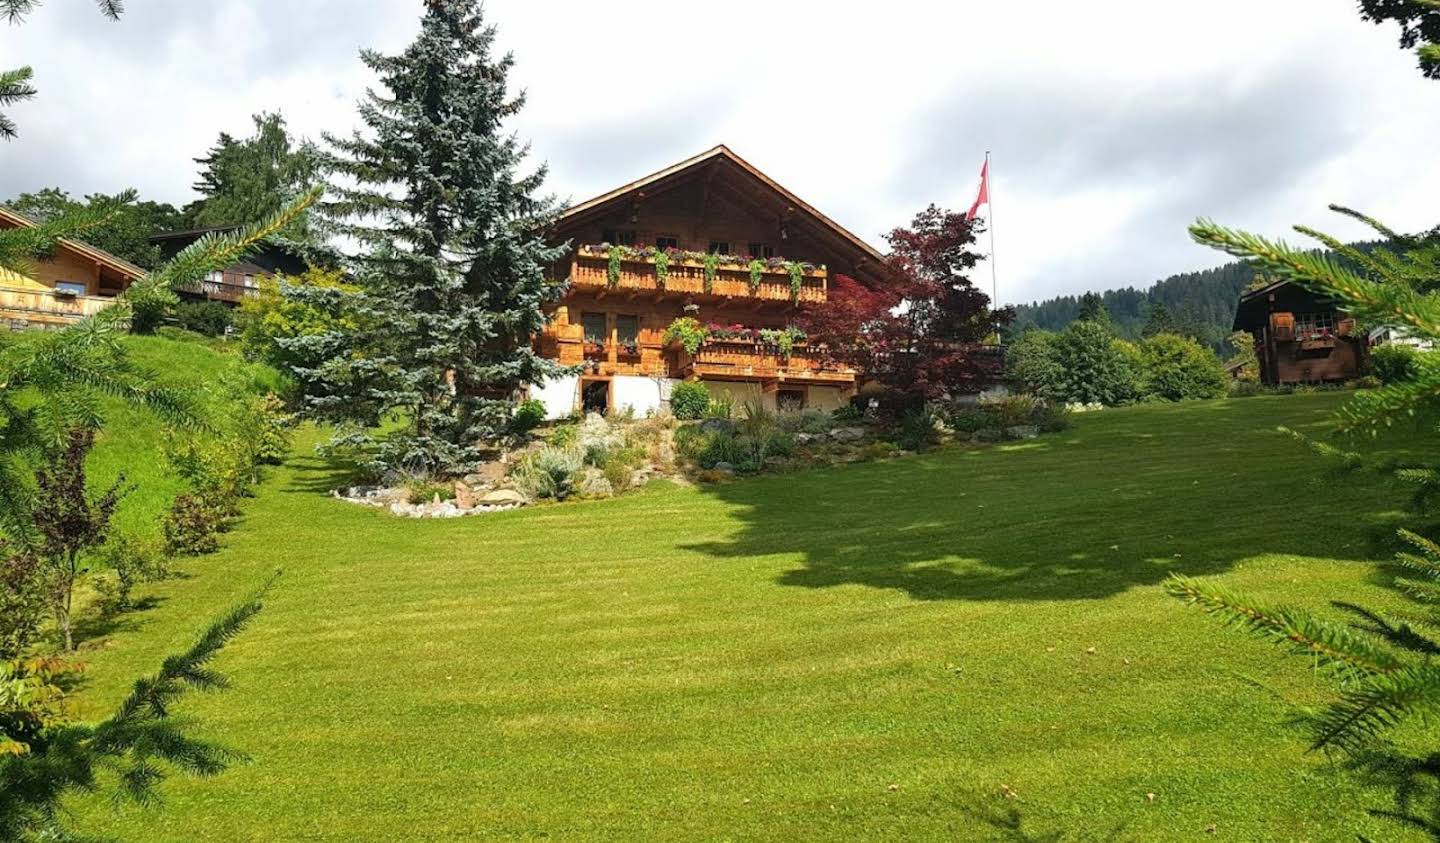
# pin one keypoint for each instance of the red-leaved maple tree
(921, 330)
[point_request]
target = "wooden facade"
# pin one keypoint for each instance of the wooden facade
(74, 281)
(613, 325)
(1300, 337)
(236, 281)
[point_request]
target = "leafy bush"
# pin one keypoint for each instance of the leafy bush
(687, 331)
(719, 408)
(551, 472)
(420, 490)
(848, 413)
(919, 430)
(1394, 363)
(1178, 368)
(1031, 363)
(529, 414)
(1010, 411)
(1082, 364)
(1244, 389)
(193, 524)
(690, 441)
(130, 561)
(210, 318)
(22, 601)
(725, 448)
(689, 399)
(807, 421)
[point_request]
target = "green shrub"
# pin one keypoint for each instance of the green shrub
(1031, 362)
(719, 408)
(1176, 368)
(565, 435)
(689, 399)
(1394, 363)
(807, 421)
(690, 440)
(848, 413)
(130, 561)
(529, 414)
(210, 318)
(23, 601)
(919, 430)
(1367, 382)
(1092, 366)
(551, 472)
(723, 447)
(193, 524)
(420, 490)
(969, 419)
(1244, 389)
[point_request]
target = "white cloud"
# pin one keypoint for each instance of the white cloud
(1114, 123)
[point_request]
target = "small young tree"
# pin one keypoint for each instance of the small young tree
(454, 257)
(70, 522)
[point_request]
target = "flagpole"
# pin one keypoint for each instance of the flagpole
(994, 276)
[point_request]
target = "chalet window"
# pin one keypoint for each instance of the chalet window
(1314, 323)
(619, 236)
(595, 328)
(719, 247)
(761, 250)
(70, 288)
(627, 332)
(790, 400)
(667, 242)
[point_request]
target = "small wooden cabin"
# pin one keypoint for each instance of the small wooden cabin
(234, 282)
(1300, 336)
(74, 281)
(613, 320)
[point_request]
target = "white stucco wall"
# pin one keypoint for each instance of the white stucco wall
(560, 396)
(645, 395)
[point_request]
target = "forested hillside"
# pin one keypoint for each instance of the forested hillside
(1201, 304)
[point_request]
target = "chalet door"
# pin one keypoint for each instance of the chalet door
(595, 396)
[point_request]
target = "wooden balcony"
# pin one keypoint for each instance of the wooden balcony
(23, 306)
(749, 360)
(230, 287)
(589, 270)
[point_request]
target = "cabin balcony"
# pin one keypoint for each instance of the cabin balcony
(753, 360)
(30, 307)
(230, 287)
(590, 270)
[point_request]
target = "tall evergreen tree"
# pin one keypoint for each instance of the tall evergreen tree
(251, 178)
(1160, 321)
(1092, 309)
(452, 260)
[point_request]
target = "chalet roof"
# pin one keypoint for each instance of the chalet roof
(118, 264)
(846, 239)
(191, 233)
(1254, 307)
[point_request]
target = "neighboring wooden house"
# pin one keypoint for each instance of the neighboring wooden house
(613, 324)
(234, 282)
(75, 281)
(1300, 337)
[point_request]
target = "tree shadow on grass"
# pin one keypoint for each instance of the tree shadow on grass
(1066, 517)
(311, 474)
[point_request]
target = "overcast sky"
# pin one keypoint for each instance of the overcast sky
(1114, 123)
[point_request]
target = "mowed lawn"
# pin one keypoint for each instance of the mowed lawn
(973, 644)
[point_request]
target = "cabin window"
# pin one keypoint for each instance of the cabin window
(619, 236)
(594, 328)
(1314, 323)
(70, 288)
(790, 400)
(719, 247)
(761, 250)
(627, 332)
(667, 242)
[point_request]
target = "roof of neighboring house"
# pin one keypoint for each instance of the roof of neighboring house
(723, 153)
(118, 264)
(191, 233)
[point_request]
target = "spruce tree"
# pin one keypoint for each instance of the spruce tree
(452, 259)
(1160, 321)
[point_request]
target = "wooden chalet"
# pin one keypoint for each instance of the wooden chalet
(612, 321)
(75, 281)
(1300, 337)
(234, 282)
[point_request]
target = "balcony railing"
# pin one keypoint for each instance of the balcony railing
(47, 306)
(591, 270)
(736, 359)
(226, 286)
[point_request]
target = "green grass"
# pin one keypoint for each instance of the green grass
(869, 652)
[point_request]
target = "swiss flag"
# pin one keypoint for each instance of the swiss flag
(984, 197)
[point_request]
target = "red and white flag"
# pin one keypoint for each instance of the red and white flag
(983, 198)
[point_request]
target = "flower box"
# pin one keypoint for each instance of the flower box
(1316, 343)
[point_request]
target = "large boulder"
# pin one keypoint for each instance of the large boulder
(1022, 431)
(503, 497)
(849, 434)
